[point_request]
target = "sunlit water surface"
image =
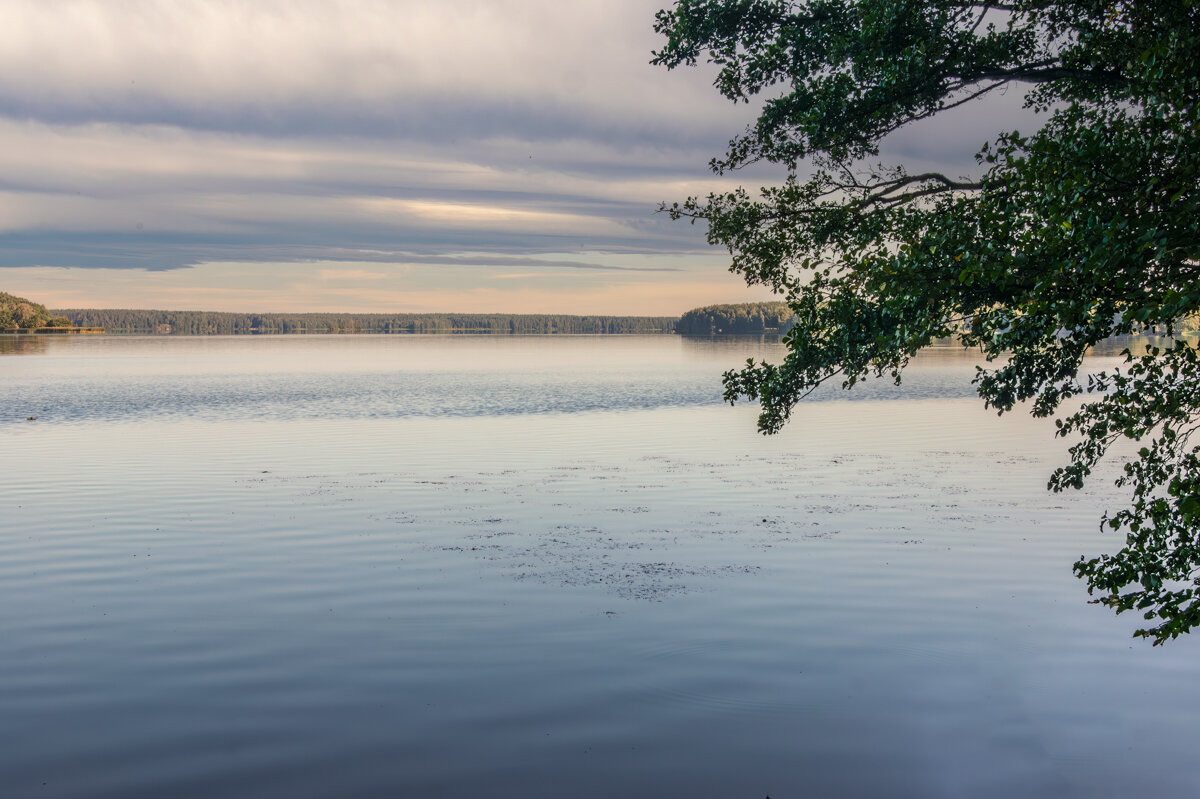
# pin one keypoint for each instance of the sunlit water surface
(548, 567)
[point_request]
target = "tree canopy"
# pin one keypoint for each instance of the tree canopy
(20, 313)
(738, 318)
(1085, 228)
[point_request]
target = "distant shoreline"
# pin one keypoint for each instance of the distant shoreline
(762, 318)
(52, 331)
(199, 323)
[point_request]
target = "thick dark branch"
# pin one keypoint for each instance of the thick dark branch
(892, 202)
(982, 16)
(927, 177)
(1044, 72)
(987, 6)
(965, 100)
(885, 195)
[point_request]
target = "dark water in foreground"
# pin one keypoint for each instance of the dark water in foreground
(545, 567)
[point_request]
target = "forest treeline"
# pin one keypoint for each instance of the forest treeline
(748, 317)
(742, 318)
(777, 317)
(203, 323)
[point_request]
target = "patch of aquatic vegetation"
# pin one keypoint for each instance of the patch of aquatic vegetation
(657, 527)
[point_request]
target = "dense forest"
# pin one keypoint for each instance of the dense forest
(776, 317)
(743, 318)
(750, 317)
(18, 313)
(193, 323)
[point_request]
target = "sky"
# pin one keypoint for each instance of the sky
(363, 156)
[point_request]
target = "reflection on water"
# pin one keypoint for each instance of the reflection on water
(21, 344)
(1137, 345)
(293, 377)
(535, 567)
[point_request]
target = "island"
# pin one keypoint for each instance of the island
(21, 316)
(747, 318)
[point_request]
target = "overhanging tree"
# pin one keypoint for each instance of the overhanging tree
(1087, 228)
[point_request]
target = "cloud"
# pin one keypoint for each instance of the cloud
(522, 143)
(453, 70)
(159, 197)
(345, 287)
(349, 275)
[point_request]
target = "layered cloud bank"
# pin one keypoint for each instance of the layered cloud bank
(493, 155)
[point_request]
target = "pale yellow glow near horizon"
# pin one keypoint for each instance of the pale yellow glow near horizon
(377, 288)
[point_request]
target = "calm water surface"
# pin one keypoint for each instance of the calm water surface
(546, 567)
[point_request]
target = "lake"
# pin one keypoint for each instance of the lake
(383, 566)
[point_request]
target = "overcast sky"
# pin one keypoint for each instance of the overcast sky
(359, 155)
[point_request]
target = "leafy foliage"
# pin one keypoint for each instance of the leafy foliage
(20, 313)
(1087, 228)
